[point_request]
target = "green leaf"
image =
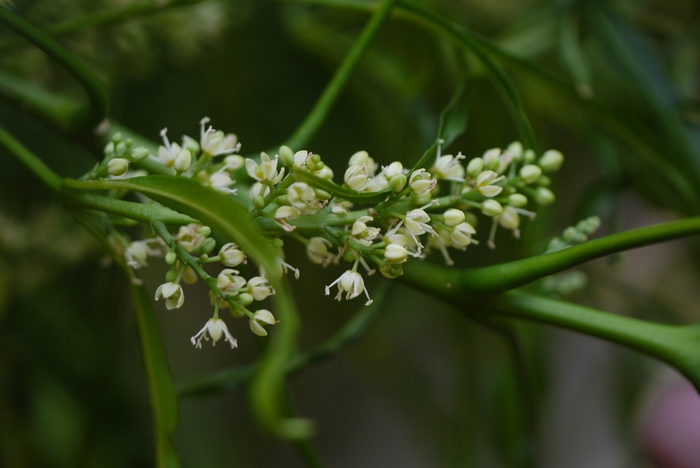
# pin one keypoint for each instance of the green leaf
(453, 122)
(162, 390)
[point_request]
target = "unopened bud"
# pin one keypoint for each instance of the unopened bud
(544, 196)
(551, 160)
(530, 173)
(183, 161)
(517, 200)
(117, 166)
(139, 153)
(491, 208)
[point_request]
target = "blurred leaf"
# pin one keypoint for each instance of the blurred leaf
(163, 394)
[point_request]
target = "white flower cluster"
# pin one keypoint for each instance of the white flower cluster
(412, 213)
(229, 290)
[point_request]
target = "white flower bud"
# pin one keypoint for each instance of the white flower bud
(360, 158)
(393, 169)
(117, 167)
(509, 219)
(182, 161)
(516, 151)
(475, 167)
(517, 200)
(139, 153)
(530, 173)
(229, 283)
(529, 156)
(491, 208)
(453, 217)
(395, 253)
(317, 250)
(544, 196)
(551, 161)
(286, 156)
(234, 162)
(397, 182)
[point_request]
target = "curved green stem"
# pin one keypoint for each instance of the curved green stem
(673, 344)
(454, 283)
(315, 118)
(34, 164)
(90, 82)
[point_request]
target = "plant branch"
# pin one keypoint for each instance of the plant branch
(34, 164)
(323, 105)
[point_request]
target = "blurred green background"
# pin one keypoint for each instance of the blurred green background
(425, 387)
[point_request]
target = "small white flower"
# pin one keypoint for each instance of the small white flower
(231, 255)
(350, 283)
(221, 182)
(233, 162)
(215, 142)
(259, 287)
(361, 158)
(377, 184)
(448, 167)
(117, 166)
(421, 182)
(229, 283)
(461, 236)
(530, 173)
(169, 151)
(485, 183)
(216, 328)
(362, 233)
(300, 158)
(283, 214)
(137, 253)
(173, 294)
(259, 319)
(356, 177)
(317, 251)
(302, 197)
(392, 169)
(266, 171)
(190, 238)
(416, 221)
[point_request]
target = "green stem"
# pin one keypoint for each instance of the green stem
(36, 165)
(90, 82)
(315, 118)
(675, 345)
(494, 279)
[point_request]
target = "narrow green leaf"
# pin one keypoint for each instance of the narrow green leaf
(453, 122)
(162, 390)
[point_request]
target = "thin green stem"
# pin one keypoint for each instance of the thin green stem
(89, 81)
(33, 163)
(318, 114)
(495, 279)
(675, 345)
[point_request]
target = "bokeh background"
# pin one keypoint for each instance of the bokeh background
(425, 386)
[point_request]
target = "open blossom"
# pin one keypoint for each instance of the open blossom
(350, 283)
(448, 167)
(259, 319)
(302, 197)
(137, 253)
(356, 177)
(362, 233)
(215, 142)
(215, 328)
(461, 235)
(231, 256)
(173, 294)
(229, 283)
(221, 182)
(421, 182)
(259, 287)
(485, 183)
(317, 251)
(190, 238)
(266, 171)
